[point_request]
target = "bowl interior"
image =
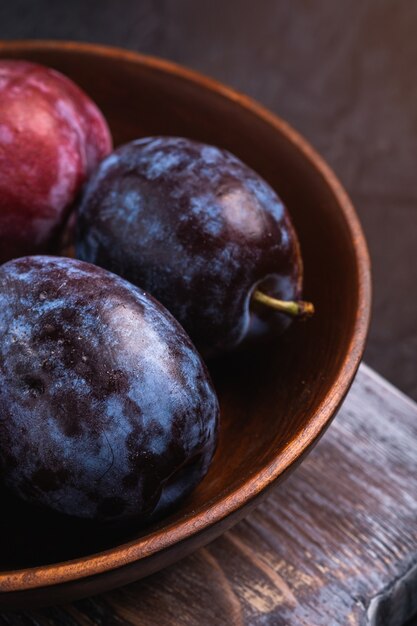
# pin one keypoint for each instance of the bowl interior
(271, 397)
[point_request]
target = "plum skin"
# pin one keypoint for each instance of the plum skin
(199, 230)
(52, 136)
(107, 412)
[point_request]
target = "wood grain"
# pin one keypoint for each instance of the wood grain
(334, 545)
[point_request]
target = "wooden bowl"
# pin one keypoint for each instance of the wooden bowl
(276, 401)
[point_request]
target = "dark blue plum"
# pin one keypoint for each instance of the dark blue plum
(106, 409)
(199, 230)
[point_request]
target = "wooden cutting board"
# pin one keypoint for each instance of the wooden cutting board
(336, 544)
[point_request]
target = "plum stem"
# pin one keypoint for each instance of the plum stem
(293, 308)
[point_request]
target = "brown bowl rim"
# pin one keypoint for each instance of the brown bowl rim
(214, 512)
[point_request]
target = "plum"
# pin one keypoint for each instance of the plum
(201, 231)
(107, 411)
(51, 138)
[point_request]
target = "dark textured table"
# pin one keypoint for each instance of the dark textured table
(342, 73)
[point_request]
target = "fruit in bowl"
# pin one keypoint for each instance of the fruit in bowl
(199, 230)
(52, 136)
(107, 411)
(277, 400)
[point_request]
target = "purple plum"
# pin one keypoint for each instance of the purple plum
(52, 136)
(200, 231)
(107, 411)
